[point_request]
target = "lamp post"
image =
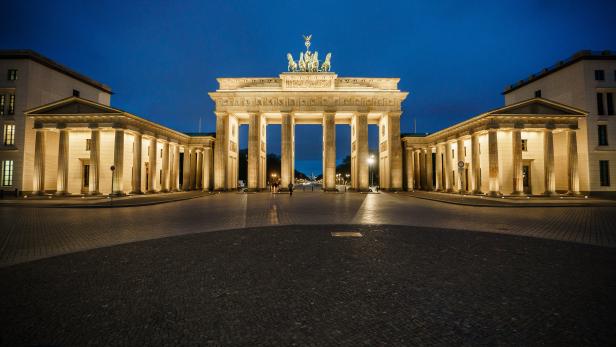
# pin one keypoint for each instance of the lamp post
(112, 174)
(370, 163)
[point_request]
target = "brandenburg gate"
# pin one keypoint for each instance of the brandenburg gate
(309, 93)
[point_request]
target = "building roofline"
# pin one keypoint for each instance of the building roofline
(39, 58)
(578, 56)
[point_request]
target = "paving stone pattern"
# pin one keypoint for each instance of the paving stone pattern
(297, 285)
(34, 233)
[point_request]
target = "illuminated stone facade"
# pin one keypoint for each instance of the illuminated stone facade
(297, 98)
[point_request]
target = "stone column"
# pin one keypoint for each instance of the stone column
(422, 169)
(572, 162)
(438, 184)
(429, 182)
(476, 163)
(193, 170)
(329, 151)
(394, 151)
(38, 181)
(548, 160)
(254, 150)
(199, 170)
(417, 168)
(175, 182)
(186, 169)
(221, 149)
(448, 168)
(62, 178)
(286, 160)
(95, 150)
(516, 140)
(493, 162)
(361, 143)
(153, 172)
(410, 184)
(136, 183)
(207, 168)
(165, 164)
(461, 170)
(118, 162)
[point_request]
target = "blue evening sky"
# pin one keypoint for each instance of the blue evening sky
(162, 58)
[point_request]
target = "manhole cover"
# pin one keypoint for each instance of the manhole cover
(346, 234)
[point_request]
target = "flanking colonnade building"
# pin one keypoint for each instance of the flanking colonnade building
(69, 145)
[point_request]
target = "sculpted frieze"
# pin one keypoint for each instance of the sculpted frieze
(306, 101)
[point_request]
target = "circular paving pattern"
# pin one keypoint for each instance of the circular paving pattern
(299, 285)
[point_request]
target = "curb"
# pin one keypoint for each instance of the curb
(509, 204)
(148, 203)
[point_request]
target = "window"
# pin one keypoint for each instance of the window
(9, 134)
(2, 101)
(161, 152)
(452, 154)
(11, 104)
(599, 75)
(524, 145)
(88, 144)
(12, 75)
(75, 92)
(7, 173)
(538, 93)
(604, 173)
(600, 110)
(610, 103)
(602, 134)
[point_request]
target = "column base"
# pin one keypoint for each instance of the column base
(548, 193)
(477, 192)
(152, 191)
(136, 192)
(164, 191)
(118, 193)
(93, 193)
(330, 189)
(61, 193)
(494, 194)
(517, 193)
(259, 189)
(570, 193)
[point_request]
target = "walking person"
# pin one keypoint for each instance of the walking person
(290, 189)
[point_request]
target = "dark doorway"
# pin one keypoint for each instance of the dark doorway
(526, 179)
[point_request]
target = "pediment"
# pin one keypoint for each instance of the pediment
(72, 105)
(538, 107)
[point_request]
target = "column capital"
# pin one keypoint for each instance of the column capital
(118, 126)
(572, 127)
(61, 126)
(221, 113)
(93, 126)
(492, 126)
(550, 126)
(329, 113)
(394, 113)
(518, 125)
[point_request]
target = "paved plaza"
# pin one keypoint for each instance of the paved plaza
(264, 269)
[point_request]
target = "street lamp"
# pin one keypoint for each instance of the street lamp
(370, 163)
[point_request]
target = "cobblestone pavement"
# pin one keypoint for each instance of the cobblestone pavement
(297, 285)
(34, 233)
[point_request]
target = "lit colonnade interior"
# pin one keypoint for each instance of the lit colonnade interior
(298, 98)
(527, 148)
(78, 142)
